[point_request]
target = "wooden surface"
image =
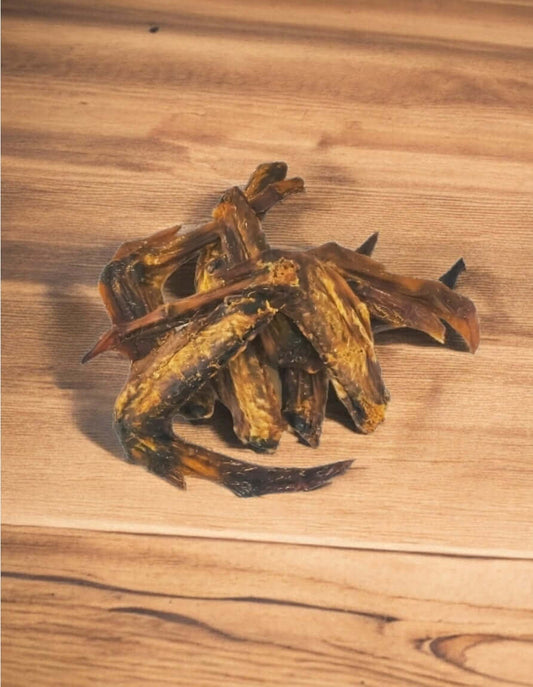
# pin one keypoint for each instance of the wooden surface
(411, 118)
(299, 615)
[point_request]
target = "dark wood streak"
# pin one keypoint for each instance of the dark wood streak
(477, 556)
(178, 618)
(385, 619)
(335, 547)
(453, 650)
(79, 582)
(186, 620)
(209, 26)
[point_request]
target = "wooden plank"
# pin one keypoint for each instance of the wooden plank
(429, 462)
(82, 608)
(411, 118)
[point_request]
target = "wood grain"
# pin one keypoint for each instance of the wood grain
(412, 118)
(79, 609)
(111, 132)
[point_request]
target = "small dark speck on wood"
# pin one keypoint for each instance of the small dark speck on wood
(153, 29)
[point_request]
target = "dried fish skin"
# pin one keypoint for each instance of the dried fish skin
(250, 388)
(342, 337)
(172, 374)
(404, 301)
(189, 357)
(257, 313)
(304, 402)
(202, 405)
(247, 386)
(287, 347)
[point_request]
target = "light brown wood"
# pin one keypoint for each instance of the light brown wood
(411, 118)
(208, 612)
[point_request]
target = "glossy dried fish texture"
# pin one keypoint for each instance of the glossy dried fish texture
(304, 402)
(404, 301)
(342, 336)
(249, 385)
(264, 326)
(250, 388)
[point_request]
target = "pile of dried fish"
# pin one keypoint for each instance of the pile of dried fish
(266, 332)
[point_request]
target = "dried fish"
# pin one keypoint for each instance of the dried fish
(266, 333)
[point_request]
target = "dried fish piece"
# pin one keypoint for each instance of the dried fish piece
(258, 312)
(342, 337)
(249, 385)
(166, 379)
(304, 402)
(404, 301)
